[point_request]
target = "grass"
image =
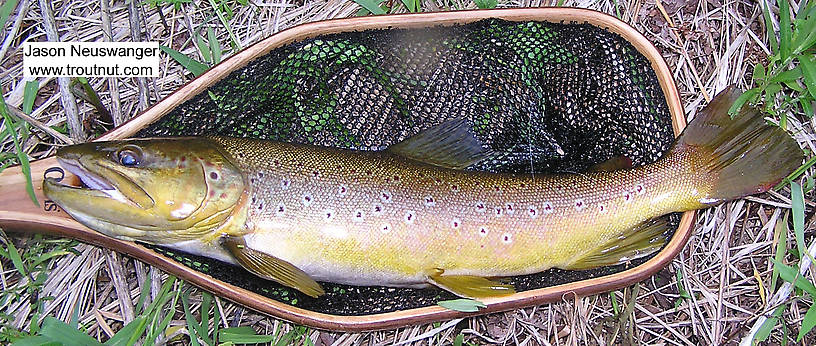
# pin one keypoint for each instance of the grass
(782, 83)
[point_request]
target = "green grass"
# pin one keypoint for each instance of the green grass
(787, 83)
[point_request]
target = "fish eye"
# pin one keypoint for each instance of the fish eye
(128, 157)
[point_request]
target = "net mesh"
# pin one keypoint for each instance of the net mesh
(545, 97)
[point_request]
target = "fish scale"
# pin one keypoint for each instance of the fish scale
(487, 241)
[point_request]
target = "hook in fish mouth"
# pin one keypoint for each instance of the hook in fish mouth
(96, 183)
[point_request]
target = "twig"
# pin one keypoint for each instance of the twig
(113, 83)
(120, 284)
(36, 123)
(780, 296)
(431, 332)
(67, 99)
(136, 36)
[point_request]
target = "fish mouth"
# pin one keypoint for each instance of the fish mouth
(96, 184)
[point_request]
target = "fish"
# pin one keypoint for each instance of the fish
(411, 215)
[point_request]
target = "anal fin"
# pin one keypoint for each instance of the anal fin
(271, 267)
(469, 286)
(640, 241)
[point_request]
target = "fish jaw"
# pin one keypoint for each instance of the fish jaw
(170, 190)
(81, 203)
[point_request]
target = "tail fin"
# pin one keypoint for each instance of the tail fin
(743, 156)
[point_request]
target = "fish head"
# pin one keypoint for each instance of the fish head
(152, 190)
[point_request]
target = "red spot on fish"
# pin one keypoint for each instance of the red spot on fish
(639, 189)
(548, 208)
(601, 208)
(480, 207)
(454, 187)
(315, 173)
(276, 162)
(223, 195)
(627, 196)
(499, 211)
(396, 178)
(579, 204)
(532, 211)
(385, 196)
(483, 231)
(409, 217)
(509, 207)
(438, 181)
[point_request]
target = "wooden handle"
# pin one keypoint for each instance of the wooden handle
(17, 207)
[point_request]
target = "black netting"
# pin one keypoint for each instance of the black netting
(545, 97)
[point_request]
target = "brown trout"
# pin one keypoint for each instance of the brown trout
(410, 215)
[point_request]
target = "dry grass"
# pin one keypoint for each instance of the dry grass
(725, 267)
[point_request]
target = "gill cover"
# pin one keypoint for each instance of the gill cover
(153, 190)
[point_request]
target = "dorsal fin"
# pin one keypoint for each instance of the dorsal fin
(450, 144)
(613, 164)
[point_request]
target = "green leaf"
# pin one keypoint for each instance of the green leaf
(759, 72)
(787, 76)
(742, 99)
(35, 341)
(410, 5)
(372, 6)
(5, 10)
(195, 67)
(15, 258)
(192, 324)
(486, 4)
(243, 335)
(57, 330)
(131, 331)
(463, 305)
(29, 95)
(808, 322)
(459, 340)
(770, 34)
(791, 274)
(203, 48)
(215, 46)
(805, 35)
(22, 157)
(784, 30)
(809, 71)
(798, 210)
(765, 329)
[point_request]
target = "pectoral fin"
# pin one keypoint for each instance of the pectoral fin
(469, 286)
(270, 267)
